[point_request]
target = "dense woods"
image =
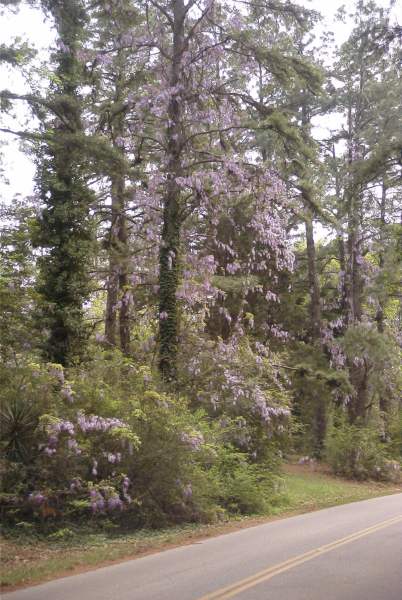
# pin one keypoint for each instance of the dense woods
(203, 282)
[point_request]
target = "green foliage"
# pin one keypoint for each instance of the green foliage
(17, 271)
(16, 55)
(240, 387)
(19, 420)
(395, 436)
(65, 230)
(357, 452)
(65, 226)
(247, 487)
(67, 457)
(316, 388)
(375, 360)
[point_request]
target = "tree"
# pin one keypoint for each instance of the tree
(17, 277)
(365, 67)
(65, 225)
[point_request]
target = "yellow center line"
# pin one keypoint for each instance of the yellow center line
(244, 584)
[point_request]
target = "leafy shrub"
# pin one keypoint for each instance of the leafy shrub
(237, 384)
(395, 433)
(316, 388)
(357, 452)
(247, 487)
(104, 441)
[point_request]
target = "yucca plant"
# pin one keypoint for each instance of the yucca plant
(18, 423)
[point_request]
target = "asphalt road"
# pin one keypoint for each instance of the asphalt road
(349, 552)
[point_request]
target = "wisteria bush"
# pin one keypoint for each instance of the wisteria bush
(239, 385)
(58, 449)
(103, 441)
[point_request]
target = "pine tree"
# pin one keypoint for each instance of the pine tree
(366, 67)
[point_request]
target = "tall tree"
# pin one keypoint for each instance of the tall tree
(116, 75)
(367, 63)
(65, 226)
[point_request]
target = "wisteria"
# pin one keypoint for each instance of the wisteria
(37, 498)
(115, 503)
(187, 491)
(97, 501)
(265, 411)
(96, 423)
(113, 457)
(67, 393)
(193, 440)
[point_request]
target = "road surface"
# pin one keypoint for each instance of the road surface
(349, 552)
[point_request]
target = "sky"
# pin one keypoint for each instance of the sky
(30, 25)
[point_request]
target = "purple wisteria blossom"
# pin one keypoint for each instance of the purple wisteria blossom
(57, 371)
(187, 491)
(264, 410)
(113, 457)
(115, 503)
(98, 503)
(67, 392)
(97, 423)
(194, 439)
(72, 444)
(36, 498)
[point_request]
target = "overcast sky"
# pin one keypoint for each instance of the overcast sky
(30, 25)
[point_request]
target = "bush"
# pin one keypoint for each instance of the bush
(357, 452)
(237, 385)
(104, 441)
(316, 387)
(247, 488)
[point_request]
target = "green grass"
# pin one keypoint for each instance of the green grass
(312, 491)
(28, 560)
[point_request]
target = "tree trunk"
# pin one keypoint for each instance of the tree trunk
(343, 283)
(353, 273)
(124, 309)
(353, 270)
(114, 271)
(118, 294)
(320, 427)
(359, 379)
(384, 400)
(358, 374)
(314, 286)
(112, 299)
(169, 255)
(380, 310)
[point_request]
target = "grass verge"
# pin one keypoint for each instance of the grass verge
(28, 561)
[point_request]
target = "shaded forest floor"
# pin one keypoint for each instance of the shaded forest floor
(27, 559)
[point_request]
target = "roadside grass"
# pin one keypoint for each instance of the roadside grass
(28, 560)
(306, 490)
